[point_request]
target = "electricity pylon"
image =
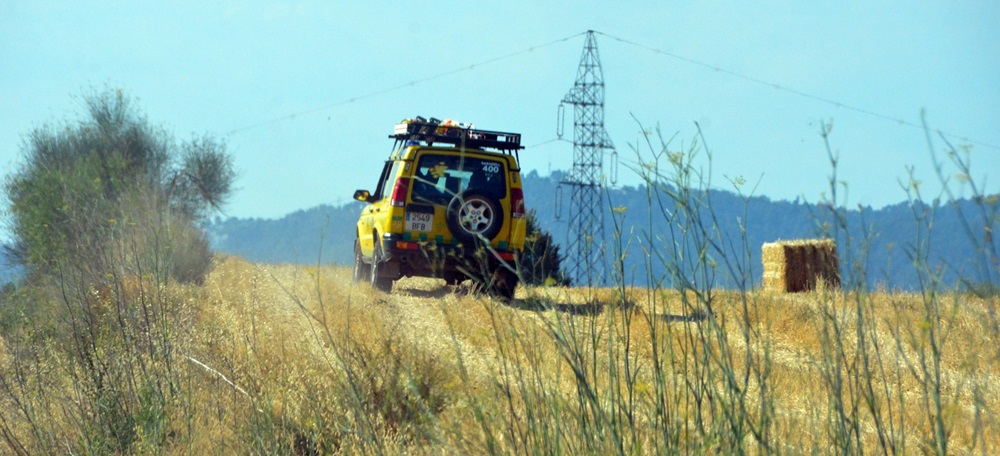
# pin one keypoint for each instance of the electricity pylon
(586, 219)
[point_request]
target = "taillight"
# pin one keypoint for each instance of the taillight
(403, 245)
(516, 203)
(398, 196)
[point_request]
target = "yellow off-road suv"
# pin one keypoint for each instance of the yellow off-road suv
(448, 204)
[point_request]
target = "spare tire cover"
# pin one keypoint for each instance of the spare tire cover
(474, 213)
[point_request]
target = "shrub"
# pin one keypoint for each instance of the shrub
(541, 261)
(81, 182)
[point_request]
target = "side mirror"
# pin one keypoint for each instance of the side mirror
(362, 195)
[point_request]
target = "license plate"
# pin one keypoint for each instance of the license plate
(416, 221)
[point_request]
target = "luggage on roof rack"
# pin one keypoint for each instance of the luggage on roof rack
(434, 131)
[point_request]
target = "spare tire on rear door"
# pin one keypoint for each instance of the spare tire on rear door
(474, 213)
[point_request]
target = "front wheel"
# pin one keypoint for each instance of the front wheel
(361, 269)
(375, 270)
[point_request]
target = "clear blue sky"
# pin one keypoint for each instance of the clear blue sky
(290, 70)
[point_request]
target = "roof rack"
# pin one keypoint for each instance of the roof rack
(434, 131)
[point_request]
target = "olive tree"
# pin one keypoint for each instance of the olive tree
(81, 182)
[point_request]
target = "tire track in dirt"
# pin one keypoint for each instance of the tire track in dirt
(415, 310)
(424, 314)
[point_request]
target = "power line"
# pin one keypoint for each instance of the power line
(548, 142)
(715, 68)
(412, 83)
(793, 91)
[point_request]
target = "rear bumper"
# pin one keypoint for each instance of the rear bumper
(431, 259)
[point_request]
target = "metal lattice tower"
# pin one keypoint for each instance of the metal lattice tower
(586, 219)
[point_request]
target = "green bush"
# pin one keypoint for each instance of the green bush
(541, 261)
(85, 186)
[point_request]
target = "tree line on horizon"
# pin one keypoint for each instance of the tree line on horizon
(879, 241)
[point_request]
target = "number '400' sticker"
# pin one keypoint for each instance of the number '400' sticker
(491, 168)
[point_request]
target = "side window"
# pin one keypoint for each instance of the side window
(384, 181)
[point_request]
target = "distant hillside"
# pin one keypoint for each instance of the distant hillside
(325, 234)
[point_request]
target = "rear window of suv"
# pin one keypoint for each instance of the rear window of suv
(439, 177)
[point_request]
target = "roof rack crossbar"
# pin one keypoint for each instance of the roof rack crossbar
(432, 132)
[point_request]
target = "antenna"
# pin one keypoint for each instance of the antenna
(586, 223)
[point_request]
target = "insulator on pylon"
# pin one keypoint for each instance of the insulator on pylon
(558, 202)
(614, 168)
(560, 120)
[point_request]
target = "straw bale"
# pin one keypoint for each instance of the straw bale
(800, 265)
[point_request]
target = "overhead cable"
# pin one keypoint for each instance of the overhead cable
(793, 91)
(402, 86)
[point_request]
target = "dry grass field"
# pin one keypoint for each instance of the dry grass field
(300, 360)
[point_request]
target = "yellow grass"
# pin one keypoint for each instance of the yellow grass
(278, 358)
